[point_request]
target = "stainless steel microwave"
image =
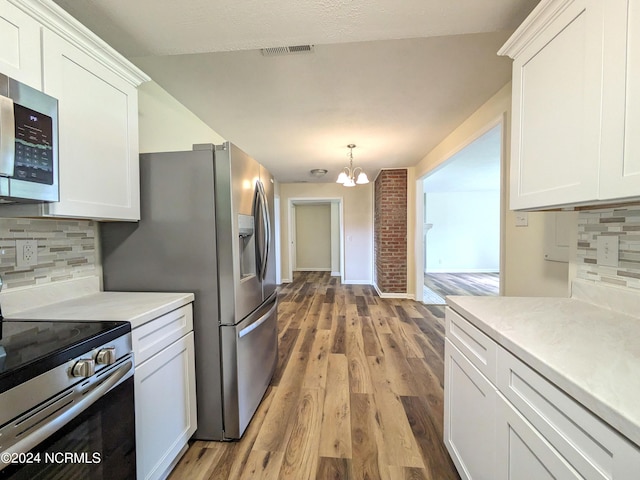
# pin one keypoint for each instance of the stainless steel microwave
(28, 144)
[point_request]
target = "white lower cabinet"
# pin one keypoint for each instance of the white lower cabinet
(516, 425)
(165, 395)
(524, 453)
(469, 416)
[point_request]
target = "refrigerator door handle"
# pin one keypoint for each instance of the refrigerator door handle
(257, 211)
(267, 230)
(257, 323)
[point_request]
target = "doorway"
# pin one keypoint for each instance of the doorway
(462, 221)
(315, 228)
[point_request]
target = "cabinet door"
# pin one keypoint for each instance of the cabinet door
(557, 91)
(620, 164)
(165, 399)
(20, 56)
(98, 147)
(469, 417)
(522, 452)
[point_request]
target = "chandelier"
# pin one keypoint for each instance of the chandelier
(349, 175)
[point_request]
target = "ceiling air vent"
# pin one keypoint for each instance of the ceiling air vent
(269, 52)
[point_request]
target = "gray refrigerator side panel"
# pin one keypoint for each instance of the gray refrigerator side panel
(269, 282)
(173, 248)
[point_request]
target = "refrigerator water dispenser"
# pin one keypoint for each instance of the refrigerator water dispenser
(246, 246)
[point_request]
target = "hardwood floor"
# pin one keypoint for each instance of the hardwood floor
(357, 393)
(463, 283)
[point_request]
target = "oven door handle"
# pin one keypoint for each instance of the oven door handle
(42, 433)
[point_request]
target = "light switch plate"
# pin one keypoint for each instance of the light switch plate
(522, 219)
(607, 252)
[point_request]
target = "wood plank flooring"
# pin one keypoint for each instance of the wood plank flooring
(463, 283)
(357, 393)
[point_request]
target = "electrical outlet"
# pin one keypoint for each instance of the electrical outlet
(26, 253)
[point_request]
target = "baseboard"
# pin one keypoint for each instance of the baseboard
(335, 274)
(357, 282)
(392, 295)
(285, 280)
(479, 270)
(302, 269)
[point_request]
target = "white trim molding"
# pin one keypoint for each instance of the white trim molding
(56, 19)
(392, 295)
(545, 13)
(356, 282)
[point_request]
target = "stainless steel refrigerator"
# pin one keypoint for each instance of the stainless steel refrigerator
(206, 228)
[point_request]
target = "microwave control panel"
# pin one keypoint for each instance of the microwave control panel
(34, 146)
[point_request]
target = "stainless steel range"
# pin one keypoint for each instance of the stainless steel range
(66, 400)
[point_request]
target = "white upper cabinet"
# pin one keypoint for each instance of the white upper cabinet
(96, 89)
(98, 142)
(19, 45)
(620, 165)
(573, 101)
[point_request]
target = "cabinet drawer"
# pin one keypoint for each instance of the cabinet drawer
(153, 336)
(475, 345)
(588, 444)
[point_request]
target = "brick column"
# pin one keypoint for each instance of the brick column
(390, 231)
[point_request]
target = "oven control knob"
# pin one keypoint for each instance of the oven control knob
(106, 356)
(84, 368)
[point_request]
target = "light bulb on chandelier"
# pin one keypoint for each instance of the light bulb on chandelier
(350, 176)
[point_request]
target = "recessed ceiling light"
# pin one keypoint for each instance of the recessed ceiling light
(318, 172)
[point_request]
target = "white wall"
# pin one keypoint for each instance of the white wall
(313, 237)
(357, 210)
(165, 125)
(465, 236)
(524, 272)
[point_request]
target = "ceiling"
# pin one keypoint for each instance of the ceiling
(394, 79)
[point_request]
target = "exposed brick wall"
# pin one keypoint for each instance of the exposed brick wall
(390, 231)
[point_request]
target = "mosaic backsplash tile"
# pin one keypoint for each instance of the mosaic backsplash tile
(623, 222)
(66, 250)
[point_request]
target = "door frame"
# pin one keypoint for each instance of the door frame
(419, 201)
(291, 247)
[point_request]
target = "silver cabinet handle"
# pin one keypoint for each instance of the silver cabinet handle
(7, 137)
(257, 323)
(51, 427)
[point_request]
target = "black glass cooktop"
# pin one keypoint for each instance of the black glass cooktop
(31, 347)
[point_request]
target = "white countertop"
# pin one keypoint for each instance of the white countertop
(135, 307)
(590, 352)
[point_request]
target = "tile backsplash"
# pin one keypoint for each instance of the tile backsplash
(623, 222)
(66, 250)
